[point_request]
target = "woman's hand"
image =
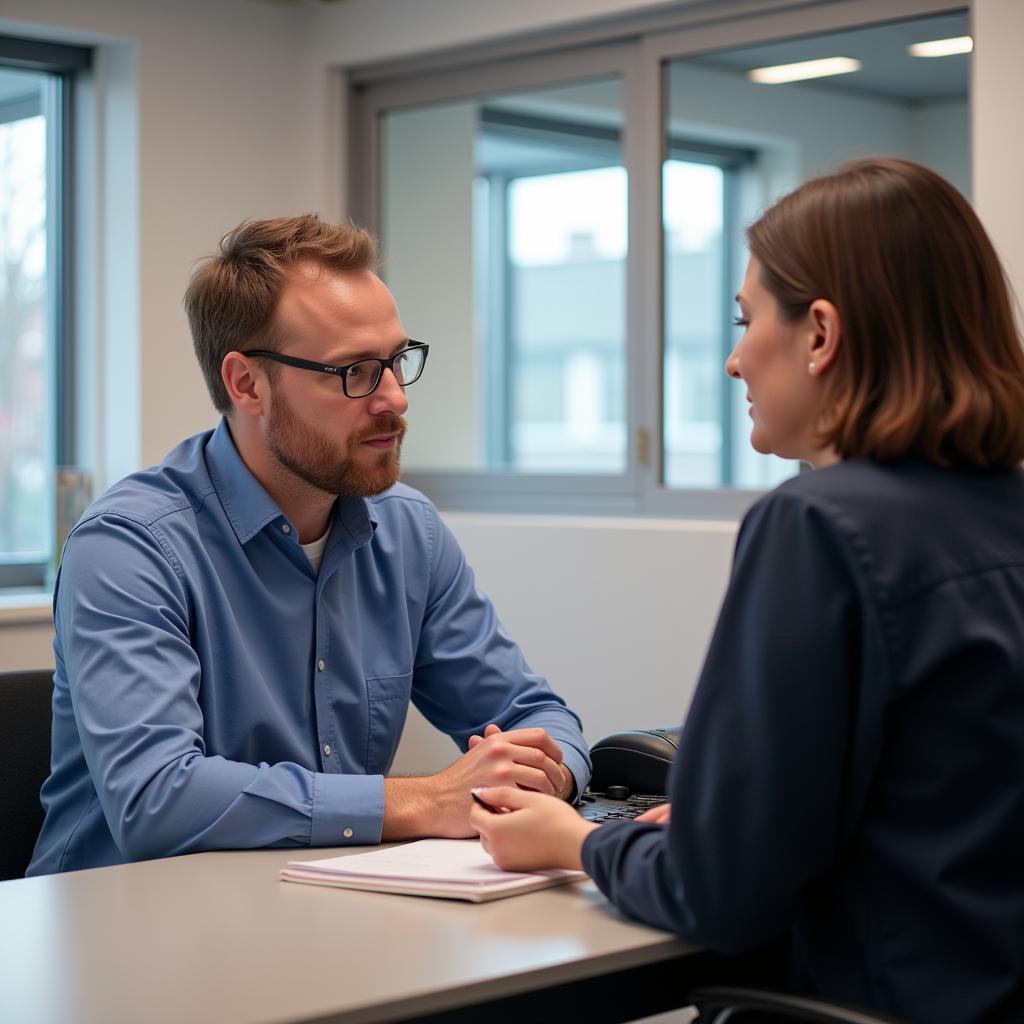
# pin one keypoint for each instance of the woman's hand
(531, 831)
(657, 815)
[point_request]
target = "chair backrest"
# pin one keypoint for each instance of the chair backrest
(25, 720)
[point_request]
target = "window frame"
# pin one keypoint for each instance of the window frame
(732, 161)
(639, 50)
(66, 63)
(501, 293)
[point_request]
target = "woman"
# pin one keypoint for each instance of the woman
(850, 780)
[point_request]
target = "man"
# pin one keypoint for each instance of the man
(240, 629)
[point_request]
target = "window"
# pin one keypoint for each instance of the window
(567, 229)
(699, 190)
(553, 230)
(894, 104)
(35, 349)
(526, 223)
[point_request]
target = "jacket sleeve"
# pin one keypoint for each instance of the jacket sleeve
(469, 672)
(758, 784)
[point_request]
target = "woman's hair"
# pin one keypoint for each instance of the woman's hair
(931, 364)
(232, 296)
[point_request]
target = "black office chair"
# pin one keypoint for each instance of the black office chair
(25, 719)
(753, 1006)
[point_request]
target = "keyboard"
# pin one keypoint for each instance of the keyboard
(599, 807)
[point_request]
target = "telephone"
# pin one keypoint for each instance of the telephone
(630, 773)
(638, 760)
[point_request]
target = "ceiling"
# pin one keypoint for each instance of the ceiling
(888, 70)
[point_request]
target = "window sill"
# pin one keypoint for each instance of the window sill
(26, 608)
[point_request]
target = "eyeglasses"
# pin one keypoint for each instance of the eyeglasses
(361, 378)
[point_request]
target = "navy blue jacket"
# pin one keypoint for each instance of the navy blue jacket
(850, 778)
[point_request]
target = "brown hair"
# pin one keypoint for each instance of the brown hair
(931, 364)
(231, 297)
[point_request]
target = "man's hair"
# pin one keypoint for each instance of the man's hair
(931, 365)
(232, 296)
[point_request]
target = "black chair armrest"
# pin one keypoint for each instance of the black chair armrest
(721, 1005)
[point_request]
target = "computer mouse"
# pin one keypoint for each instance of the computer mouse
(637, 760)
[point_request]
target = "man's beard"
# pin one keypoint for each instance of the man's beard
(312, 457)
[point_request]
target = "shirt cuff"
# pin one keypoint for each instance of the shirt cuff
(348, 810)
(580, 768)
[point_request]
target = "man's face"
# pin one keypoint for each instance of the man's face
(340, 445)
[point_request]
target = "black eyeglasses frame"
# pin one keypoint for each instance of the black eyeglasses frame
(341, 372)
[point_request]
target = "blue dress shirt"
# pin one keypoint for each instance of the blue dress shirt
(212, 691)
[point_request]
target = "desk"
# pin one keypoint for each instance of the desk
(217, 937)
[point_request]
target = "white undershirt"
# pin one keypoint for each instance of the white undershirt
(315, 550)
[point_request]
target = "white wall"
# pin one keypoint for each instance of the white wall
(997, 86)
(238, 113)
(615, 613)
(362, 31)
(26, 634)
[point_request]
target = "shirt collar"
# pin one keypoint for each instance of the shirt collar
(249, 508)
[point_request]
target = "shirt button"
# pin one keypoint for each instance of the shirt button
(347, 833)
(321, 664)
(286, 528)
(327, 749)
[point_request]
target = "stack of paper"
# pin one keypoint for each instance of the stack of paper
(457, 869)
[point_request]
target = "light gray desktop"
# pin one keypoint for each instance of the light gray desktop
(217, 937)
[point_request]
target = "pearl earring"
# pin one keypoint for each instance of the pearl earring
(810, 367)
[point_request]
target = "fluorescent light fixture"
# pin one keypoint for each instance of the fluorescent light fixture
(941, 47)
(782, 73)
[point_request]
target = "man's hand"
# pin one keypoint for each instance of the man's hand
(531, 832)
(491, 730)
(567, 787)
(438, 805)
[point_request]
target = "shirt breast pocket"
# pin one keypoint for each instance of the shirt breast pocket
(388, 699)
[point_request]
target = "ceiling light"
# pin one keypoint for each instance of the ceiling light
(782, 73)
(941, 47)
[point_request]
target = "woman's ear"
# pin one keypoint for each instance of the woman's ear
(826, 336)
